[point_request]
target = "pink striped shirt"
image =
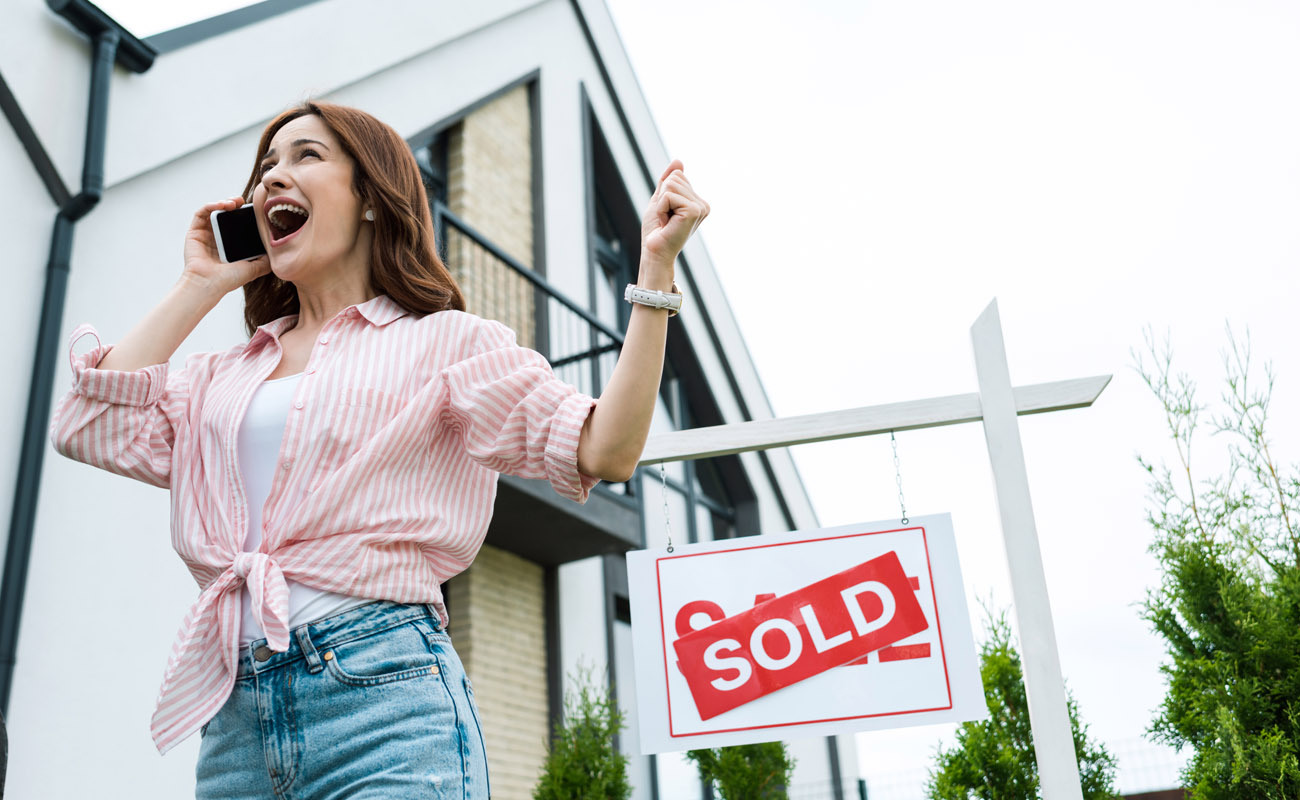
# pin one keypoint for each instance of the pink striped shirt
(388, 467)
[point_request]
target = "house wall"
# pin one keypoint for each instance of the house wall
(105, 594)
(499, 630)
(489, 185)
(499, 602)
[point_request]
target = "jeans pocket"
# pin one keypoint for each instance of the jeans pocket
(396, 654)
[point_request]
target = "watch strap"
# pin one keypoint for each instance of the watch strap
(655, 299)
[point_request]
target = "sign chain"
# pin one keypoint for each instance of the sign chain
(898, 477)
(663, 479)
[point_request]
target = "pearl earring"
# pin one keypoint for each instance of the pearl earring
(370, 215)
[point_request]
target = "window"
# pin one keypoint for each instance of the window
(704, 500)
(700, 508)
(431, 157)
(615, 232)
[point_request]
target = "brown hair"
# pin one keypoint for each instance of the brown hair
(404, 263)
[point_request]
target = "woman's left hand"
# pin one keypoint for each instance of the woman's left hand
(675, 211)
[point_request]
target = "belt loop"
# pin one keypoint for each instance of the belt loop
(314, 664)
(433, 612)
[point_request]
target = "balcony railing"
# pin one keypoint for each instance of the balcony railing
(581, 349)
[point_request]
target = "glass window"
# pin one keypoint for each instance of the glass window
(662, 422)
(703, 524)
(432, 160)
(708, 482)
(723, 528)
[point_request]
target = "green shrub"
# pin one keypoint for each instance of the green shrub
(583, 762)
(994, 759)
(746, 772)
(1228, 603)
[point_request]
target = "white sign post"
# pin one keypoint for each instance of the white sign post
(997, 404)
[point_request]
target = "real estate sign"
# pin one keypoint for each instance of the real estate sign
(797, 634)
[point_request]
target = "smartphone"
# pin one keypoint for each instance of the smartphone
(237, 235)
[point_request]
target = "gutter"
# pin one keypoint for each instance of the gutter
(112, 44)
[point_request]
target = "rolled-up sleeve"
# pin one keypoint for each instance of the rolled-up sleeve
(120, 421)
(515, 415)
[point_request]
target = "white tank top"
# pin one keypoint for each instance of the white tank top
(259, 448)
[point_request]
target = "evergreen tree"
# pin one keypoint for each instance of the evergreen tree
(994, 759)
(1228, 603)
(747, 771)
(583, 762)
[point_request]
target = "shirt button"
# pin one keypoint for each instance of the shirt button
(298, 404)
(287, 463)
(311, 370)
(324, 340)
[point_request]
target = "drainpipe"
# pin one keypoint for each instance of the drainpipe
(112, 43)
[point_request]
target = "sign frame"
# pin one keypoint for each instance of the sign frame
(662, 688)
(997, 405)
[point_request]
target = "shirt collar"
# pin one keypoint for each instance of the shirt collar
(273, 329)
(381, 310)
(378, 311)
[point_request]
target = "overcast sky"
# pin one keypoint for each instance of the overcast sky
(878, 172)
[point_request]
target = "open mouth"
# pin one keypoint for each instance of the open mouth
(285, 220)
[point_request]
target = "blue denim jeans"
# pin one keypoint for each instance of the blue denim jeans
(371, 703)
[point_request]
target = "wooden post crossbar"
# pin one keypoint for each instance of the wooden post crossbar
(997, 404)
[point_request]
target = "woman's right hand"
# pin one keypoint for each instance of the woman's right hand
(203, 264)
(205, 280)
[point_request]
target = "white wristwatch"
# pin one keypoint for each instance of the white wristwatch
(671, 300)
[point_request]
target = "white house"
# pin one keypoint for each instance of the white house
(540, 153)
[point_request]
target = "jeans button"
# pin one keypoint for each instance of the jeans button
(262, 653)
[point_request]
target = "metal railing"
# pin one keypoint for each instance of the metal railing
(581, 349)
(826, 790)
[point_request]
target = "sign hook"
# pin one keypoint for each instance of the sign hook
(668, 528)
(898, 477)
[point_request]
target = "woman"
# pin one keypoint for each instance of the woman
(327, 475)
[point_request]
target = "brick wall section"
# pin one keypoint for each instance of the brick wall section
(499, 631)
(490, 186)
(497, 605)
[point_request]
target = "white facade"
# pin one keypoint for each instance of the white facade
(105, 594)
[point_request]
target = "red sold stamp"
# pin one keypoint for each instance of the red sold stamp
(790, 638)
(805, 633)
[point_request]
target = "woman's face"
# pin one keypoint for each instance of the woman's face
(306, 210)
